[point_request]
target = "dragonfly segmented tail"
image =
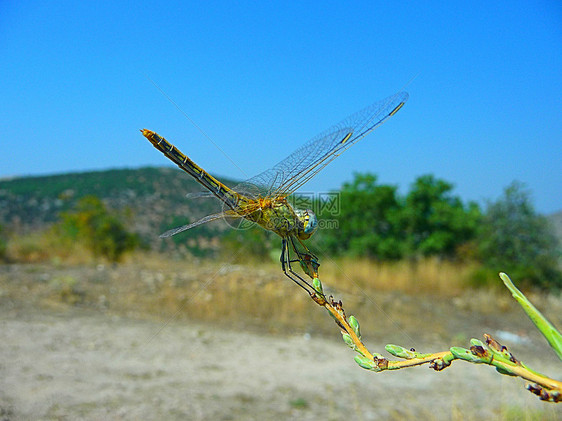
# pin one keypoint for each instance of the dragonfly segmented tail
(224, 193)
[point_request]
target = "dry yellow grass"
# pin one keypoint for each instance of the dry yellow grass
(395, 303)
(439, 277)
(432, 275)
(153, 284)
(46, 246)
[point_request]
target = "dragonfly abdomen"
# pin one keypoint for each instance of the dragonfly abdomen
(224, 193)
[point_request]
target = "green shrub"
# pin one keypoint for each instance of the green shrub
(100, 230)
(374, 221)
(513, 238)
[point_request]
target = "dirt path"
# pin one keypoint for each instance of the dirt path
(86, 365)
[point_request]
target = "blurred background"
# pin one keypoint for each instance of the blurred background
(462, 183)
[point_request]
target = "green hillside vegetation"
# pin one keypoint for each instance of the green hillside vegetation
(151, 201)
(111, 213)
(35, 201)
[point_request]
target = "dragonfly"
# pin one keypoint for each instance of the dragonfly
(263, 199)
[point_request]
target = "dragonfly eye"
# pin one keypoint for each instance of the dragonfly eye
(310, 222)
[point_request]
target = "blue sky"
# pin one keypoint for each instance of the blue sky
(262, 78)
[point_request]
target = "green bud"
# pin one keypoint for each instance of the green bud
(441, 363)
(447, 359)
(477, 342)
(317, 285)
(465, 354)
(366, 363)
(347, 339)
(399, 351)
(502, 370)
(354, 325)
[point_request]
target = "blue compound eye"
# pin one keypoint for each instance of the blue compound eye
(311, 222)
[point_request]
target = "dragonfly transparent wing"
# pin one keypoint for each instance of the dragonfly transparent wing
(202, 221)
(200, 194)
(303, 164)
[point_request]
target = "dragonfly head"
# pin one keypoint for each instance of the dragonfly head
(308, 223)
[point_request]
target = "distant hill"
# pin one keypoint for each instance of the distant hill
(154, 199)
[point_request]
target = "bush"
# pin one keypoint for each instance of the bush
(101, 231)
(374, 221)
(367, 221)
(435, 222)
(514, 239)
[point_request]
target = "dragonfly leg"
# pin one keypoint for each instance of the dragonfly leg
(308, 261)
(288, 270)
(307, 251)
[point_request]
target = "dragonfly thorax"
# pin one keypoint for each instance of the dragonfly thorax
(279, 216)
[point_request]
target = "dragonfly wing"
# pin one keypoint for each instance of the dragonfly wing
(202, 221)
(303, 164)
(199, 194)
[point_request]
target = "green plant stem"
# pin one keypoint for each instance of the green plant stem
(552, 335)
(493, 354)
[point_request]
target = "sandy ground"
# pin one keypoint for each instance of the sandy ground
(82, 364)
